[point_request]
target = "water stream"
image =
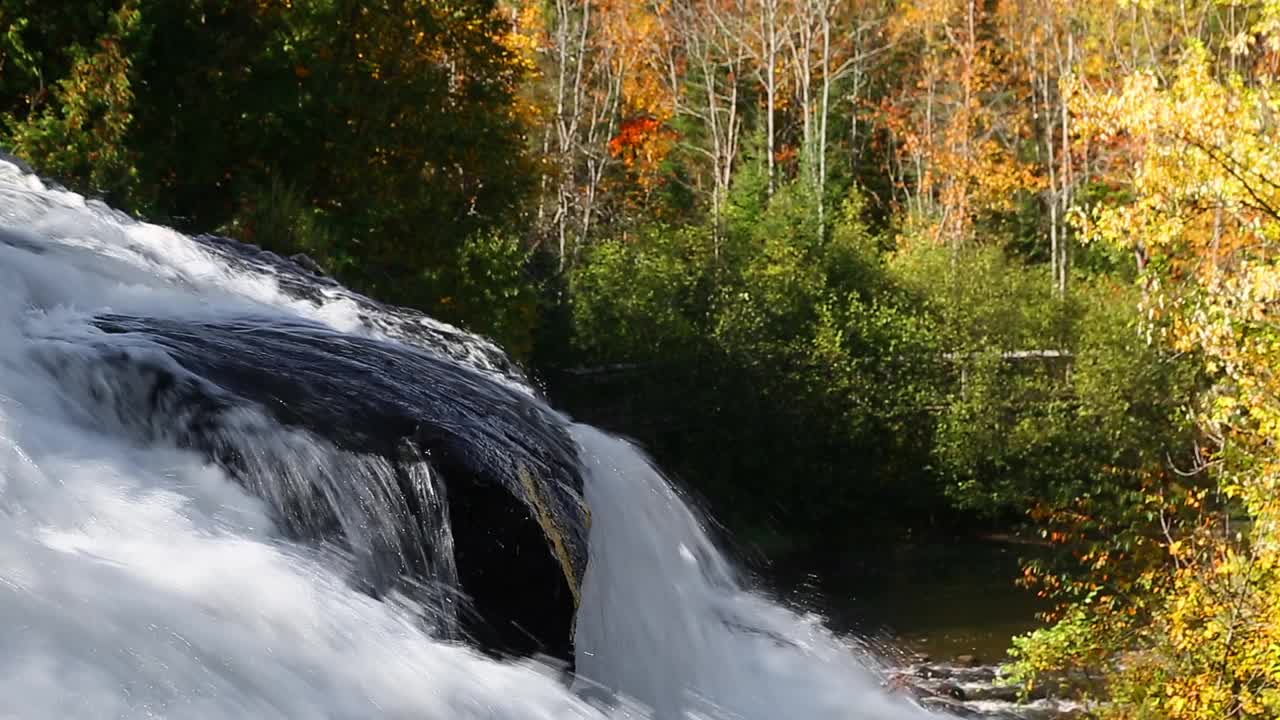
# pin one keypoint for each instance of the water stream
(141, 578)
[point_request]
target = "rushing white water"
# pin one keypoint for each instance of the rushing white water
(695, 641)
(138, 580)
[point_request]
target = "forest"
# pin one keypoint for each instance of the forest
(853, 269)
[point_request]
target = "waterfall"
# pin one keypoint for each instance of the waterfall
(176, 541)
(696, 643)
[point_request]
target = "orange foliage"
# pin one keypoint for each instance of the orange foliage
(956, 131)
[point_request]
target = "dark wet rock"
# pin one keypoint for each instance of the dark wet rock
(981, 674)
(446, 438)
(949, 706)
(440, 460)
(931, 672)
(305, 262)
(301, 279)
(968, 661)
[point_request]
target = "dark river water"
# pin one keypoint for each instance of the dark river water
(941, 598)
(939, 613)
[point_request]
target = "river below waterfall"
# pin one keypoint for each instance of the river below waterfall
(893, 593)
(891, 597)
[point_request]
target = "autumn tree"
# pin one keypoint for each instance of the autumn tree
(957, 121)
(1190, 153)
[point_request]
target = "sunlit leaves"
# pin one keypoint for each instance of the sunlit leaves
(1195, 150)
(81, 134)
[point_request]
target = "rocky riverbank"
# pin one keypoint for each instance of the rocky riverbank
(968, 688)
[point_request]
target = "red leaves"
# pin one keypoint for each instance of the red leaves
(642, 143)
(633, 134)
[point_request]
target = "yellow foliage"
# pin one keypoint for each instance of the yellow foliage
(1196, 161)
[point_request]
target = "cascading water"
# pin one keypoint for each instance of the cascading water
(178, 541)
(665, 621)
